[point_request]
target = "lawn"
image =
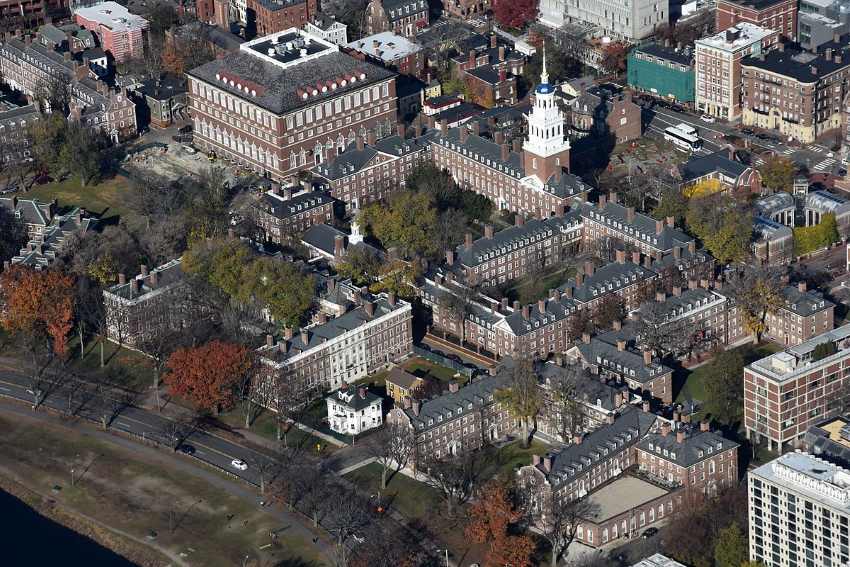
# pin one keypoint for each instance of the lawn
(536, 286)
(124, 367)
(693, 382)
(422, 368)
(186, 513)
(107, 198)
(265, 425)
(415, 500)
(504, 461)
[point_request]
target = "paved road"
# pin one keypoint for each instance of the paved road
(814, 156)
(145, 425)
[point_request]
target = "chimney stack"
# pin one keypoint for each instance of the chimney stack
(453, 387)
(617, 325)
(588, 268)
(526, 312)
(391, 299)
(614, 197)
(621, 345)
(692, 284)
(467, 241)
(621, 256)
(519, 219)
(516, 145)
(305, 337)
(535, 460)
(677, 252)
(665, 429)
(415, 405)
(541, 305)
(269, 340)
(145, 272)
(585, 338)
(547, 463)
(505, 152)
(659, 227)
(680, 436)
(370, 309)
(647, 407)
(671, 222)
(359, 141)
(801, 287)
(401, 130)
(444, 127)
(516, 305)
(371, 136)
(450, 257)
(339, 245)
(647, 357)
(677, 291)
(122, 279)
(499, 137)
(464, 134)
(636, 257)
(630, 214)
(704, 425)
(578, 438)
(488, 231)
(602, 201)
(579, 279)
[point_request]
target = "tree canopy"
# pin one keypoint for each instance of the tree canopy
(207, 376)
(810, 238)
(407, 222)
(515, 14)
(777, 174)
(724, 228)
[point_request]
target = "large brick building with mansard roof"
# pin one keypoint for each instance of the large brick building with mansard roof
(284, 102)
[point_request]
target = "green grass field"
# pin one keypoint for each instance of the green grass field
(503, 461)
(106, 198)
(421, 367)
(412, 498)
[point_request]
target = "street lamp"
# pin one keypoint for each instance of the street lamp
(447, 555)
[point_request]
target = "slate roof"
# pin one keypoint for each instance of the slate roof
(514, 237)
(658, 50)
(357, 403)
(52, 33)
(700, 166)
(607, 279)
(395, 9)
(554, 310)
(353, 160)
(468, 399)
(168, 274)
(819, 443)
(322, 237)
(805, 303)
(488, 153)
(30, 211)
(281, 84)
(604, 443)
(275, 5)
(280, 208)
(690, 300)
(626, 363)
(320, 333)
(697, 446)
(400, 377)
(46, 247)
(685, 260)
(643, 227)
(18, 114)
(797, 65)
(164, 88)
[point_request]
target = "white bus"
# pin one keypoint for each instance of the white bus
(687, 129)
(681, 139)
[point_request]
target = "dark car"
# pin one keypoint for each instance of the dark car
(748, 131)
(186, 449)
(649, 532)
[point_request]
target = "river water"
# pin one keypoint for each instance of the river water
(34, 540)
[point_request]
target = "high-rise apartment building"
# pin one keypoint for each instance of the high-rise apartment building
(788, 391)
(799, 512)
(718, 67)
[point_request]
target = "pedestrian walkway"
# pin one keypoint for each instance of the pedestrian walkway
(825, 165)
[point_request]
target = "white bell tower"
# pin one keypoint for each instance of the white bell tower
(546, 147)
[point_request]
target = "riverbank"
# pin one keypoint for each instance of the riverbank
(133, 552)
(157, 499)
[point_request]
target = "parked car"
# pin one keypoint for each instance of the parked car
(186, 449)
(707, 118)
(748, 131)
(239, 464)
(649, 532)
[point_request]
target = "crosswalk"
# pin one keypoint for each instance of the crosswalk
(787, 151)
(825, 165)
(758, 161)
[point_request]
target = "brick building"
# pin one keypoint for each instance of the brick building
(804, 315)
(773, 244)
(392, 51)
(601, 112)
(610, 221)
(147, 305)
(14, 139)
(402, 17)
(343, 349)
(517, 251)
(121, 33)
(282, 213)
(777, 15)
(285, 102)
(719, 77)
(462, 419)
(272, 16)
(797, 93)
(721, 166)
(634, 472)
(371, 169)
(48, 244)
(466, 9)
(328, 29)
(788, 391)
(489, 73)
(26, 65)
(28, 14)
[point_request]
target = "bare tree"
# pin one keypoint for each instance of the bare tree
(346, 514)
(522, 397)
(454, 477)
(757, 291)
(457, 305)
(392, 447)
(557, 519)
(562, 405)
(53, 94)
(311, 481)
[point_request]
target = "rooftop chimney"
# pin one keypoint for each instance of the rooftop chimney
(122, 279)
(269, 340)
(659, 227)
(585, 338)
(579, 279)
(339, 245)
(391, 298)
(501, 53)
(692, 283)
(621, 256)
(144, 271)
(588, 268)
(547, 463)
(305, 337)
(371, 136)
(704, 425)
(680, 436)
(535, 460)
(493, 41)
(621, 345)
(647, 406)
(526, 312)
(464, 134)
(287, 333)
(541, 305)
(665, 429)
(505, 152)
(519, 219)
(134, 287)
(488, 231)
(450, 257)
(671, 222)
(614, 197)
(630, 214)
(568, 292)
(467, 240)
(453, 386)
(602, 201)
(401, 130)
(516, 145)
(647, 357)
(801, 286)
(499, 137)
(578, 438)
(677, 291)
(636, 257)
(692, 247)
(415, 405)
(370, 309)
(359, 141)
(617, 325)
(444, 127)
(503, 305)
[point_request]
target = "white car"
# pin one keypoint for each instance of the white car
(707, 118)
(239, 464)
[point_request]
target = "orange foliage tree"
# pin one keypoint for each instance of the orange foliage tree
(36, 302)
(208, 376)
(172, 60)
(490, 517)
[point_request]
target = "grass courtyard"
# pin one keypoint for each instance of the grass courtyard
(415, 500)
(106, 198)
(425, 368)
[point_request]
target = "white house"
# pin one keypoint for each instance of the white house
(353, 409)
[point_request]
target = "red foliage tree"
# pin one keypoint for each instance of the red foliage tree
(207, 376)
(516, 551)
(38, 301)
(490, 516)
(515, 13)
(614, 58)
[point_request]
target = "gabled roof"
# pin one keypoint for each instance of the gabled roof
(626, 363)
(643, 226)
(400, 377)
(607, 279)
(282, 208)
(30, 211)
(357, 402)
(602, 444)
(697, 446)
(804, 303)
(469, 398)
(700, 166)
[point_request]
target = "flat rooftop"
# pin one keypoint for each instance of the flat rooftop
(797, 360)
(737, 37)
(113, 16)
(288, 47)
(385, 46)
(621, 496)
(834, 430)
(811, 477)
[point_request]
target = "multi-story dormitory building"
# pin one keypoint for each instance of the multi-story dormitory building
(148, 305)
(285, 102)
(636, 470)
(803, 315)
(489, 72)
(514, 252)
(375, 330)
(371, 169)
(462, 419)
(281, 213)
(27, 65)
